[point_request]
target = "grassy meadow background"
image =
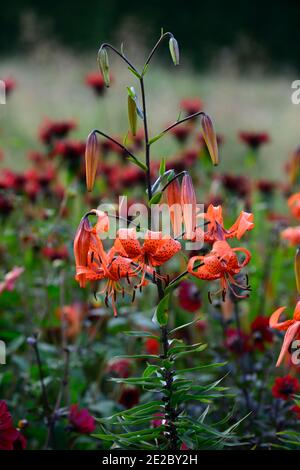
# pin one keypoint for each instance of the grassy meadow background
(50, 84)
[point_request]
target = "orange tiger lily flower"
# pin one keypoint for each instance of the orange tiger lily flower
(294, 205)
(93, 263)
(215, 229)
(221, 263)
(292, 328)
(156, 250)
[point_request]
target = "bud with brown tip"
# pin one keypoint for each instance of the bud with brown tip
(210, 138)
(103, 63)
(174, 50)
(92, 152)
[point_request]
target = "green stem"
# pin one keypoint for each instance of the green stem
(168, 374)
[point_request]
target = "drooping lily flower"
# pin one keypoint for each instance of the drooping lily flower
(156, 250)
(215, 230)
(292, 328)
(93, 263)
(221, 263)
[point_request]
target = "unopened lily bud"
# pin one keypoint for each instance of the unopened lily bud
(297, 269)
(210, 138)
(92, 152)
(173, 194)
(174, 50)
(189, 206)
(132, 114)
(103, 63)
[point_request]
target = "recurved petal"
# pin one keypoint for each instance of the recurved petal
(289, 337)
(273, 321)
(243, 223)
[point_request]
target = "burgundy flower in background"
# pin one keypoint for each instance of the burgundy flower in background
(181, 132)
(266, 187)
(240, 185)
(6, 206)
(119, 368)
(191, 105)
(254, 140)
(189, 296)
(55, 253)
(10, 85)
(157, 421)
(80, 420)
(237, 342)
(285, 387)
(296, 409)
(96, 82)
(261, 332)
(10, 437)
(152, 346)
(130, 396)
(52, 130)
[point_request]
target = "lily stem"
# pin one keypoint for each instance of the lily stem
(168, 374)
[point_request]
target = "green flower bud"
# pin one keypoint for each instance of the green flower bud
(103, 63)
(174, 50)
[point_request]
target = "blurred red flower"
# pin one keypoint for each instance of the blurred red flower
(96, 82)
(191, 105)
(130, 396)
(296, 410)
(53, 253)
(10, 437)
(119, 367)
(254, 139)
(261, 332)
(80, 420)
(237, 342)
(10, 85)
(189, 296)
(285, 387)
(52, 130)
(152, 346)
(292, 235)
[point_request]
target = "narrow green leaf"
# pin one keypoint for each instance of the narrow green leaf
(161, 313)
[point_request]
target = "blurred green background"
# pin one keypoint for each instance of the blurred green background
(239, 57)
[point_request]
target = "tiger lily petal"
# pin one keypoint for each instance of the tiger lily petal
(292, 328)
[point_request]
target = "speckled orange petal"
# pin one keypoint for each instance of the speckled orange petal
(273, 321)
(209, 271)
(296, 315)
(127, 243)
(165, 251)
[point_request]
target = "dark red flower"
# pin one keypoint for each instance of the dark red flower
(53, 253)
(80, 420)
(119, 368)
(237, 342)
(254, 139)
(285, 387)
(181, 132)
(189, 296)
(5, 205)
(95, 81)
(152, 346)
(296, 409)
(157, 421)
(10, 85)
(261, 332)
(130, 396)
(52, 130)
(239, 185)
(191, 105)
(266, 187)
(10, 437)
